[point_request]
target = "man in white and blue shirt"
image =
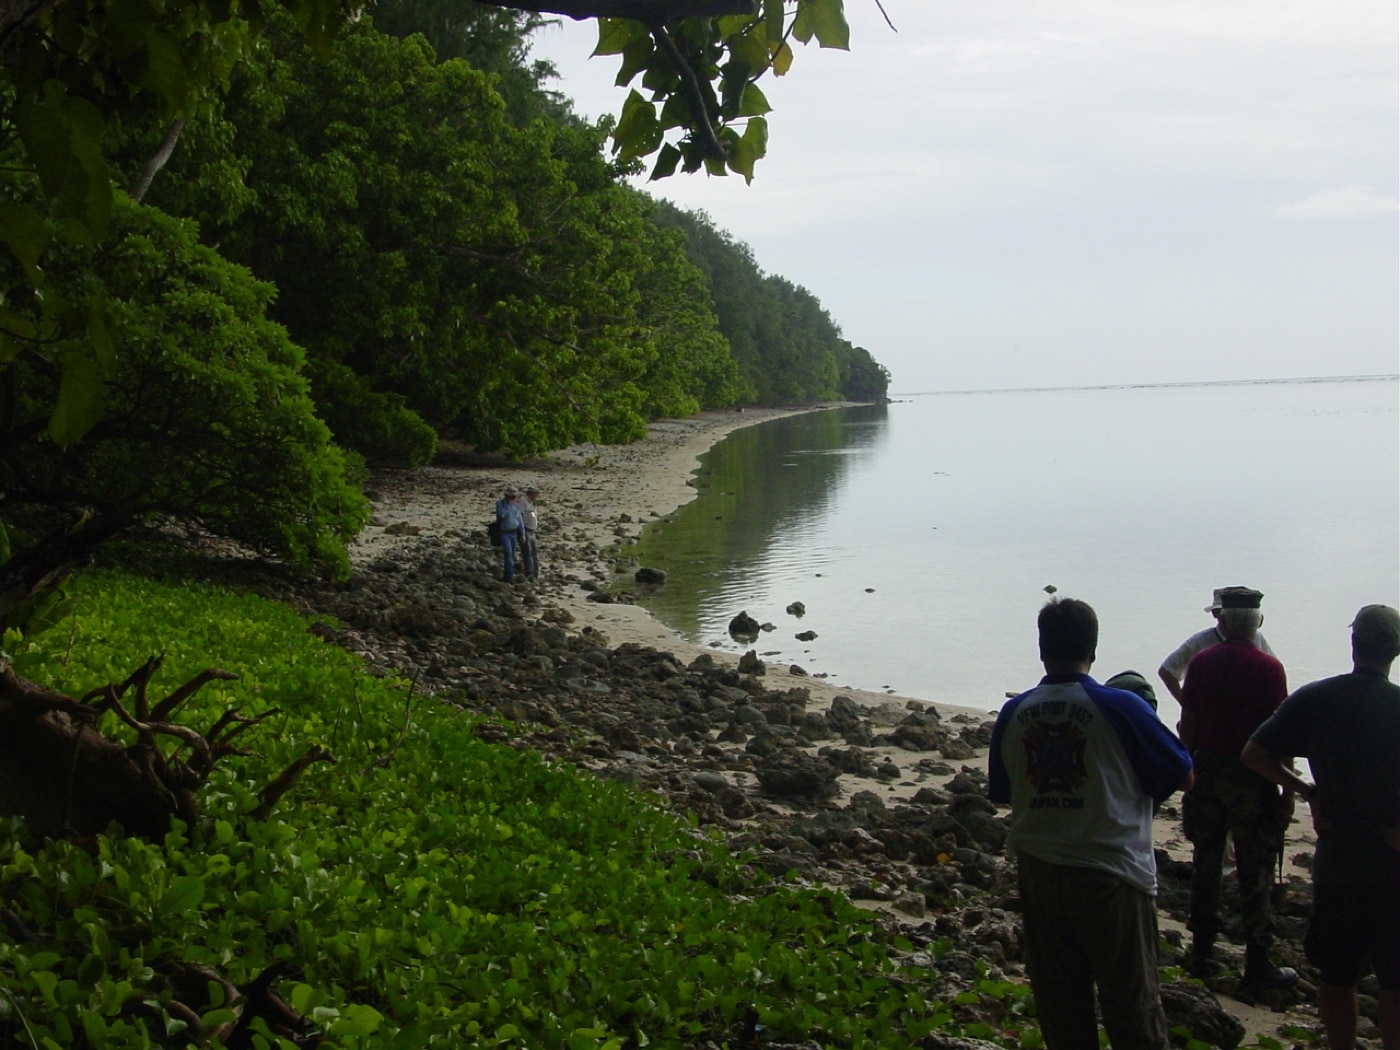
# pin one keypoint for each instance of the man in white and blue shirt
(1082, 766)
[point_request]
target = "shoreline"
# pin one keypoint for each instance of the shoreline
(593, 500)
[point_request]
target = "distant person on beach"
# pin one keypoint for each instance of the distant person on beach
(1173, 669)
(512, 527)
(1231, 688)
(1081, 766)
(1348, 728)
(530, 524)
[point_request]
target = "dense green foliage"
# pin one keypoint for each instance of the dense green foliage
(493, 40)
(787, 345)
(206, 415)
(447, 247)
(495, 279)
(431, 889)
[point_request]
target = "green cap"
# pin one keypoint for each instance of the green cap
(1240, 598)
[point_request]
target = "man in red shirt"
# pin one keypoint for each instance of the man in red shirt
(1230, 690)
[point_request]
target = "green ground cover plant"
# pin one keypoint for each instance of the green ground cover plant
(430, 888)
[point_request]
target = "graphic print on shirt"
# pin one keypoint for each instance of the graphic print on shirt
(1055, 761)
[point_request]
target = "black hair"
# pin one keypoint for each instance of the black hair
(1069, 630)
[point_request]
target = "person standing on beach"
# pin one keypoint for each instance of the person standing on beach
(1348, 728)
(512, 527)
(1231, 688)
(1173, 669)
(1081, 766)
(529, 544)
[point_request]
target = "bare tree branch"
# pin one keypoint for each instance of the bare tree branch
(269, 796)
(158, 159)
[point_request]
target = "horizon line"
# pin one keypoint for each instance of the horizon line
(1153, 385)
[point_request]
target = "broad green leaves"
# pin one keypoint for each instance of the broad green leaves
(63, 138)
(823, 19)
(191, 401)
(462, 894)
(703, 83)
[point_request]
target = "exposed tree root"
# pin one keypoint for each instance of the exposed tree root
(61, 773)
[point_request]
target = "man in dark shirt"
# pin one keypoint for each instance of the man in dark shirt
(1348, 728)
(1230, 689)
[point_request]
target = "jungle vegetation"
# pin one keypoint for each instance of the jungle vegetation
(251, 250)
(283, 226)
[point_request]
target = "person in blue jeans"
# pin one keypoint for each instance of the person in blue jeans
(512, 525)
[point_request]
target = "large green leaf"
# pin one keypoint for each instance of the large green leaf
(824, 19)
(754, 103)
(23, 229)
(743, 151)
(666, 161)
(614, 34)
(751, 49)
(638, 132)
(636, 56)
(79, 403)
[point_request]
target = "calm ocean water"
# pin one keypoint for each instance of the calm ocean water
(921, 535)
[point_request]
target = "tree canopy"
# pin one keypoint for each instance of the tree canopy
(376, 237)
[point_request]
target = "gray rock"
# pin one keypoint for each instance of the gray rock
(844, 715)
(711, 781)
(749, 663)
(1190, 1005)
(744, 626)
(915, 736)
(790, 774)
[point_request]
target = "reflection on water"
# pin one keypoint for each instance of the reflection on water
(760, 489)
(921, 537)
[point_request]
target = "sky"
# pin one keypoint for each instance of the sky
(1008, 193)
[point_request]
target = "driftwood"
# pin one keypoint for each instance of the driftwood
(66, 777)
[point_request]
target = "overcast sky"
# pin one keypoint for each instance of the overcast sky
(1007, 193)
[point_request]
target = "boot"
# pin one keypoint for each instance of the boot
(1203, 962)
(1260, 973)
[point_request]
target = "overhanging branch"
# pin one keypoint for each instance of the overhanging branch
(694, 98)
(652, 12)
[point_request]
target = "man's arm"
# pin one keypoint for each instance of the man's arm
(1186, 728)
(1264, 762)
(1171, 681)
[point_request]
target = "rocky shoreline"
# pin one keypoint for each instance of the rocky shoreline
(881, 798)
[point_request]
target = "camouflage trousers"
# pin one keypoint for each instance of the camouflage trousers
(1228, 799)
